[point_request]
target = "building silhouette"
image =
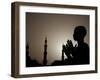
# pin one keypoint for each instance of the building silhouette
(30, 62)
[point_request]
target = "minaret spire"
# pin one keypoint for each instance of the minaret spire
(45, 52)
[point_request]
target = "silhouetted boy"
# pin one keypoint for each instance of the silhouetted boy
(80, 53)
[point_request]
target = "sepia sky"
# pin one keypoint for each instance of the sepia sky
(58, 28)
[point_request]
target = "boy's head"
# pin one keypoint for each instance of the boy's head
(79, 33)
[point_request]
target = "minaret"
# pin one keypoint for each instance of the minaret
(27, 56)
(45, 52)
(62, 53)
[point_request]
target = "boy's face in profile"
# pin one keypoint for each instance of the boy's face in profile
(79, 33)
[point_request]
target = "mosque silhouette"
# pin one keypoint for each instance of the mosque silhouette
(75, 55)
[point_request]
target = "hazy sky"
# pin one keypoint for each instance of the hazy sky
(58, 28)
